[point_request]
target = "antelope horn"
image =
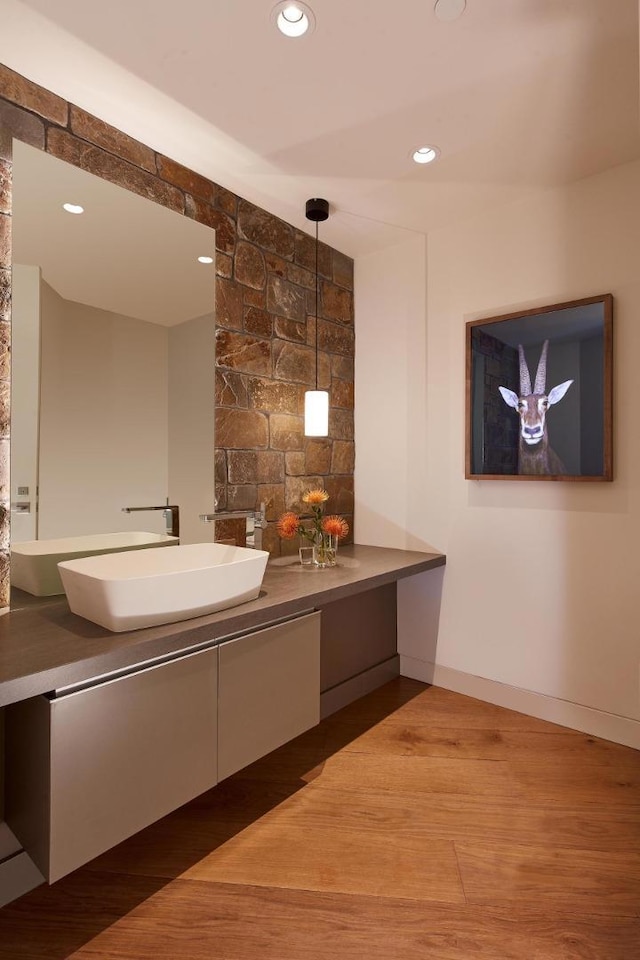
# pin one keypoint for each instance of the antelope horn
(541, 375)
(525, 377)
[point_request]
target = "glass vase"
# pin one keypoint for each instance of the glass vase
(305, 552)
(325, 550)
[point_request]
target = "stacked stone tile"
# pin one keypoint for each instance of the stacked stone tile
(265, 314)
(265, 360)
(5, 363)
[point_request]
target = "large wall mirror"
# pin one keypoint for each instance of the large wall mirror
(113, 346)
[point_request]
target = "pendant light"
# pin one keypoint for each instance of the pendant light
(316, 402)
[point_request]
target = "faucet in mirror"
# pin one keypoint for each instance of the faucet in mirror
(113, 359)
(171, 513)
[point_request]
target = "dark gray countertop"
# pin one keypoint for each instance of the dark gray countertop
(44, 646)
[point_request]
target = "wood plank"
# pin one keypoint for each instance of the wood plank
(612, 783)
(446, 708)
(327, 858)
(513, 840)
(427, 740)
(200, 921)
(458, 816)
(338, 752)
(583, 880)
(177, 843)
(409, 701)
(419, 775)
(52, 923)
(174, 844)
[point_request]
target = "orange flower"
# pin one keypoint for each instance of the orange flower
(315, 497)
(336, 526)
(288, 525)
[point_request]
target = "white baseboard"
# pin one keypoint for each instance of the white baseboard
(609, 726)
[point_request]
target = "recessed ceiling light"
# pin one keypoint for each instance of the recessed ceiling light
(72, 208)
(205, 259)
(448, 10)
(293, 19)
(425, 154)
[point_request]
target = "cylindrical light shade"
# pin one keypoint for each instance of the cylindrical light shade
(316, 413)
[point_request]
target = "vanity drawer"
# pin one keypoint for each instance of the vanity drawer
(268, 690)
(90, 768)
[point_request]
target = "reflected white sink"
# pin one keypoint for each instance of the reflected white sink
(126, 591)
(34, 563)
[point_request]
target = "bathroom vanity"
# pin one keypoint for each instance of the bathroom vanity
(106, 733)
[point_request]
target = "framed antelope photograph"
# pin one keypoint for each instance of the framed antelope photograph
(539, 393)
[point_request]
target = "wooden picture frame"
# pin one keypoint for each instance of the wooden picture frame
(539, 393)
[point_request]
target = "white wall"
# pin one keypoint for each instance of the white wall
(191, 425)
(541, 580)
(25, 397)
(390, 410)
(103, 420)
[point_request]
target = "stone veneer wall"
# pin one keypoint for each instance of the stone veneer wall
(265, 309)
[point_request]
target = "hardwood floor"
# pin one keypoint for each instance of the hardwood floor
(416, 823)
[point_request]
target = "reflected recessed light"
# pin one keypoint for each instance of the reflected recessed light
(293, 19)
(448, 10)
(205, 259)
(425, 154)
(72, 208)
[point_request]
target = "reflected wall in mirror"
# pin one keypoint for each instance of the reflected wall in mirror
(539, 393)
(113, 345)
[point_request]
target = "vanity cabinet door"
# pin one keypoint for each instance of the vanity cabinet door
(268, 690)
(90, 768)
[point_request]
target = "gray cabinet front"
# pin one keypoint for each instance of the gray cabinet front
(92, 767)
(268, 690)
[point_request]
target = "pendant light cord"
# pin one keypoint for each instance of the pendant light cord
(317, 284)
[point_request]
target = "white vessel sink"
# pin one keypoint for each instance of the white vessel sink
(126, 591)
(34, 563)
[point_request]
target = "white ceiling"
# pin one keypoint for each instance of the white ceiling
(519, 95)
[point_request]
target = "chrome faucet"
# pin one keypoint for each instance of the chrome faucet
(171, 513)
(256, 522)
